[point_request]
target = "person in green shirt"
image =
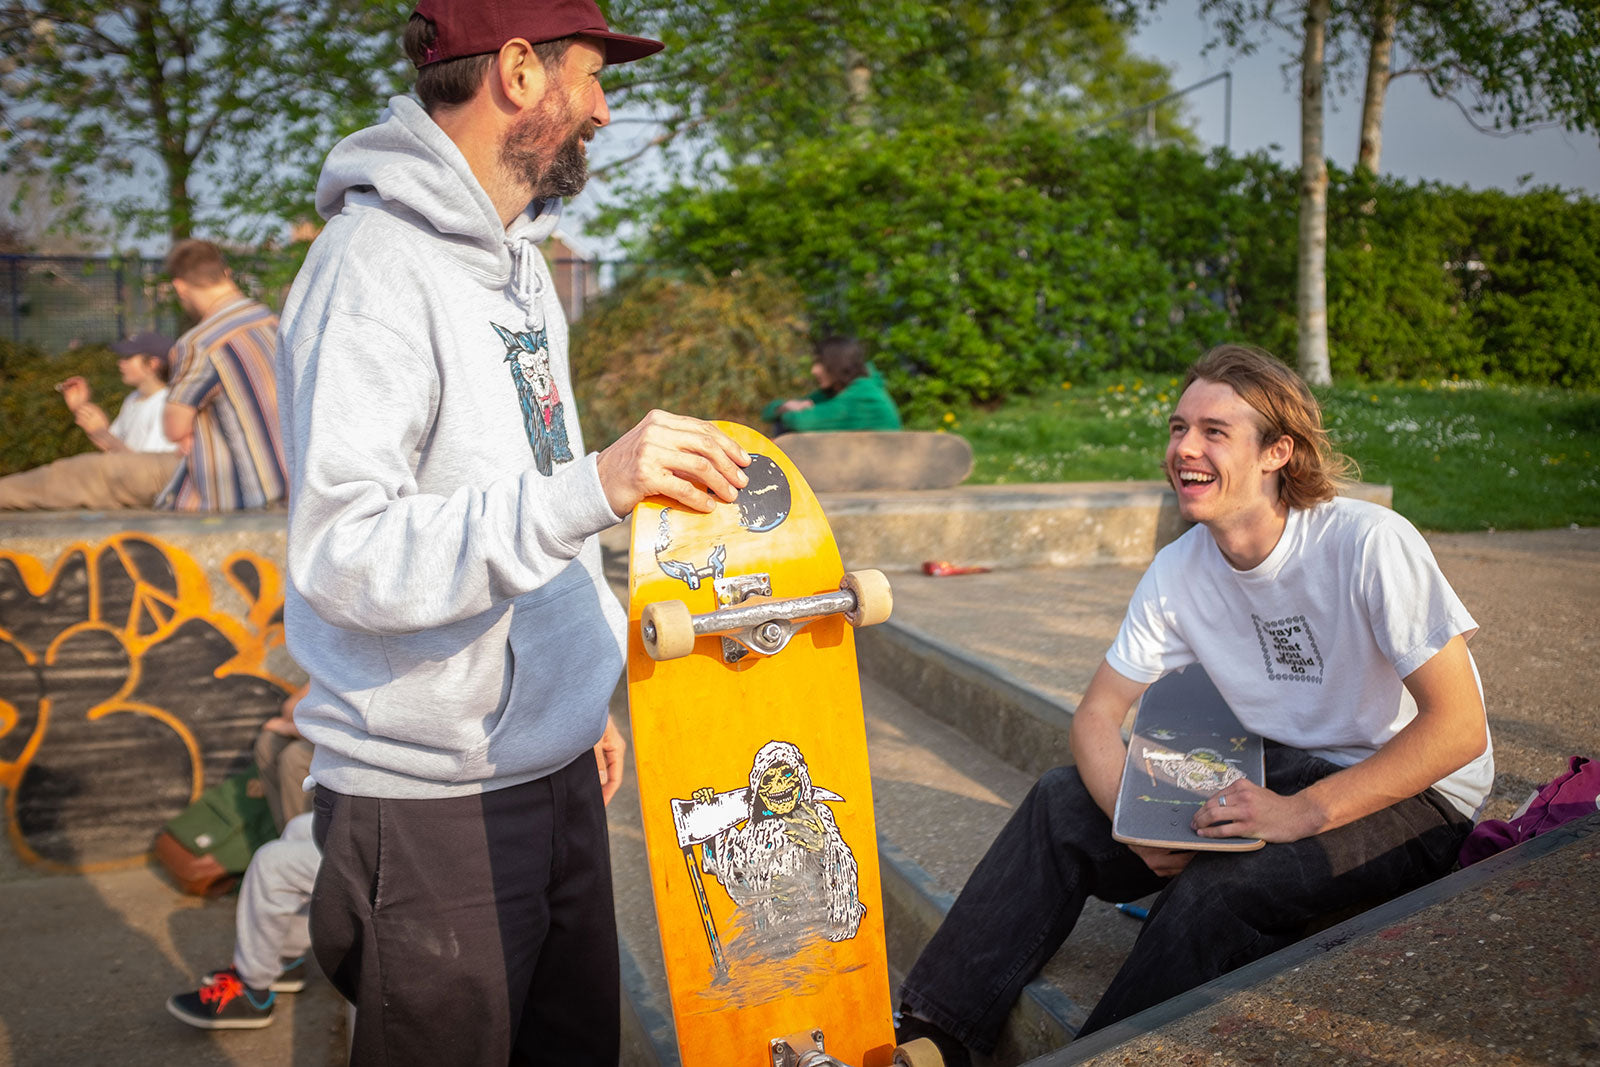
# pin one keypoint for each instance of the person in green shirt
(851, 394)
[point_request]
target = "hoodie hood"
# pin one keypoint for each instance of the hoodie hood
(407, 166)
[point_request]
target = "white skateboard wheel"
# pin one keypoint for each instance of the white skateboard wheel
(667, 629)
(874, 598)
(918, 1053)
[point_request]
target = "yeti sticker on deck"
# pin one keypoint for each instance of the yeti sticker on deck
(776, 851)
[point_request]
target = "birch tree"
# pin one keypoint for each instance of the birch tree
(1319, 27)
(1507, 67)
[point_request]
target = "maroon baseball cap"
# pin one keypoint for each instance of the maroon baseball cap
(474, 27)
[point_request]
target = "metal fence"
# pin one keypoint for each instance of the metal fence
(60, 302)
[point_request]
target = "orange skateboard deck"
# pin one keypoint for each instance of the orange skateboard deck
(752, 761)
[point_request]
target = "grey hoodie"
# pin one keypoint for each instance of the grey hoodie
(445, 589)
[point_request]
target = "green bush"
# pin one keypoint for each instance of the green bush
(714, 348)
(35, 426)
(978, 262)
(974, 263)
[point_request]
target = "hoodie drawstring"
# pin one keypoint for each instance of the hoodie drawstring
(528, 283)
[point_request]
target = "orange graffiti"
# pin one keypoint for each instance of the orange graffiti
(109, 607)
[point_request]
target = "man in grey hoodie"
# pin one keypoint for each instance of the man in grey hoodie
(446, 596)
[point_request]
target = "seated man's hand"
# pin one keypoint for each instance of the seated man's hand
(1245, 809)
(91, 418)
(670, 455)
(75, 391)
(795, 405)
(1165, 862)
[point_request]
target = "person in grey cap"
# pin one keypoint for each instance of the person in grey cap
(446, 595)
(135, 460)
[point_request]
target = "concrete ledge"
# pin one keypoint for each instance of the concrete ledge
(1538, 899)
(1064, 525)
(1026, 728)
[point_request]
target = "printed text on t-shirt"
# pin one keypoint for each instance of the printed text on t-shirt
(1289, 649)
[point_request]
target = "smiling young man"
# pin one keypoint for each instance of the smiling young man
(1327, 626)
(446, 598)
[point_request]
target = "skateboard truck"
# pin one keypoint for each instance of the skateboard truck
(764, 627)
(803, 1049)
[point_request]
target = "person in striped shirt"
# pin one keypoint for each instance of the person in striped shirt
(222, 403)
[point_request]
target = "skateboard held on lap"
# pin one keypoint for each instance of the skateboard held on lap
(751, 751)
(1187, 746)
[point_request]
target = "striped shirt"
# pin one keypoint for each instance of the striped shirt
(223, 368)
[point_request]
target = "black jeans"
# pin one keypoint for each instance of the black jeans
(473, 930)
(1224, 910)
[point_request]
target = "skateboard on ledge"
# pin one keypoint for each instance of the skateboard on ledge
(751, 751)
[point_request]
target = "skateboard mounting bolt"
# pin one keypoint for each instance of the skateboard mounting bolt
(770, 633)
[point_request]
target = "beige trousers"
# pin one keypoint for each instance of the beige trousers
(95, 480)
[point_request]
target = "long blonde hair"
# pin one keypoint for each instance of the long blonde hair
(1284, 407)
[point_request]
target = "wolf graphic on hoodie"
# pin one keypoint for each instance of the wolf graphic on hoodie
(542, 413)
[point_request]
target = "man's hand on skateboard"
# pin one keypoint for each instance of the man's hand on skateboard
(1245, 809)
(670, 455)
(608, 755)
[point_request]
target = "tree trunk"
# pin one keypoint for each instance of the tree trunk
(1378, 57)
(180, 205)
(1312, 302)
(858, 89)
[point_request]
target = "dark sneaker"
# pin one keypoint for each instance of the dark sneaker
(908, 1027)
(224, 1003)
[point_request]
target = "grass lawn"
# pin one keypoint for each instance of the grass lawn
(1460, 455)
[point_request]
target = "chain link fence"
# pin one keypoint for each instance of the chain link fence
(61, 302)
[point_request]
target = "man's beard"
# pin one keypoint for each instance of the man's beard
(562, 172)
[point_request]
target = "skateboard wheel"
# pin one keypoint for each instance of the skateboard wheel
(874, 598)
(667, 629)
(918, 1053)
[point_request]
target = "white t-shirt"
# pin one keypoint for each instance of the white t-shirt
(139, 422)
(1309, 647)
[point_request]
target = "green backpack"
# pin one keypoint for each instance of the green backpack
(208, 845)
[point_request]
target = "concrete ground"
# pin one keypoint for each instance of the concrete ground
(86, 962)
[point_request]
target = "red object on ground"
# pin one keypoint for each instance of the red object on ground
(939, 568)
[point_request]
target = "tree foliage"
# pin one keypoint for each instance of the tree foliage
(979, 262)
(715, 348)
(1506, 65)
(189, 114)
(741, 80)
(1510, 65)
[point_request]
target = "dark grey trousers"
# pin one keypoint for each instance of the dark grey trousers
(475, 930)
(1224, 910)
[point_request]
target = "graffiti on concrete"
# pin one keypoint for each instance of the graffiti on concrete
(124, 692)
